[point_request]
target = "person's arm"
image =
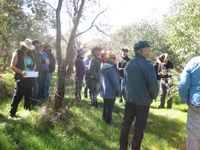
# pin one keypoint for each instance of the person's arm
(184, 85)
(13, 64)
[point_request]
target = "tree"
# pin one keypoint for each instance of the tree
(75, 9)
(183, 30)
(152, 32)
(18, 23)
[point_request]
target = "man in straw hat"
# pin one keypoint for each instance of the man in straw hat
(21, 62)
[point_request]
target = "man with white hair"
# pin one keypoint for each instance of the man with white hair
(140, 88)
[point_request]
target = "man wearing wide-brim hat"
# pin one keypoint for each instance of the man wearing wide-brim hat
(21, 62)
(80, 73)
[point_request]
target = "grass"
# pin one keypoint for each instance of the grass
(85, 129)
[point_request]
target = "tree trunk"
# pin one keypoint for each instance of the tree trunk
(59, 95)
(63, 64)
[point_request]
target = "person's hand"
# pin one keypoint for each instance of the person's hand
(47, 61)
(23, 73)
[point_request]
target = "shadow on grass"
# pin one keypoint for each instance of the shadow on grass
(90, 132)
(170, 130)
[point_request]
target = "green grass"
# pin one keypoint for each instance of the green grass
(86, 131)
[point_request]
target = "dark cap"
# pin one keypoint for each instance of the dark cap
(96, 48)
(124, 50)
(79, 52)
(141, 44)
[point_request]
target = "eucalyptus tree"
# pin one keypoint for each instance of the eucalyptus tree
(20, 19)
(126, 36)
(76, 13)
(183, 30)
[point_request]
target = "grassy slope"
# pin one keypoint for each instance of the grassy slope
(86, 131)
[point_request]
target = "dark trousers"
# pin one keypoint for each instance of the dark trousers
(23, 89)
(164, 90)
(79, 84)
(131, 112)
(108, 109)
(87, 80)
(122, 89)
(35, 90)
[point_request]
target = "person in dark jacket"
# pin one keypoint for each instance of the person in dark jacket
(80, 73)
(52, 62)
(140, 88)
(21, 62)
(38, 62)
(87, 61)
(164, 69)
(120, 67)
(110, 86)
(95, 75)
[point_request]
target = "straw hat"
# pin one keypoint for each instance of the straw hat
(28, 44)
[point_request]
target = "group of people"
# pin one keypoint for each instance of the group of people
(137, 80)
(31, 57)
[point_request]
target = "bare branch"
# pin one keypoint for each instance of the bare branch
(49, 5)
(64, 39)
(101, 31)
(92, 24)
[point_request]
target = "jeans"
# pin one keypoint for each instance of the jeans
(23, 89)
(42, 84)
(108, 109)
(48, 83)
(133, 111)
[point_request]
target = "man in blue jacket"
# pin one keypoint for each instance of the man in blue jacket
(140, 89)
(189, 91)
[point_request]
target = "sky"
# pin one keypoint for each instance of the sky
(124, 12)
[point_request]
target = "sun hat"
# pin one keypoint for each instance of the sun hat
(28, 44)
(141, 44)
(81, 53)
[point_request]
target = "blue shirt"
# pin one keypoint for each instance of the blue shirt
(189, 84)
(44, 58)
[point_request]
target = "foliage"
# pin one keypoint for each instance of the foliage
(19, 23)
(152, 32)
(183, 31)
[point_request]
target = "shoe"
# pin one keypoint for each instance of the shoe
(10, 117)
(160, 107)
(13, 117)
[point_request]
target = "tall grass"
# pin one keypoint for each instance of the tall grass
(85, 129)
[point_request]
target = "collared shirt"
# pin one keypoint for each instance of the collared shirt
(189, 84)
